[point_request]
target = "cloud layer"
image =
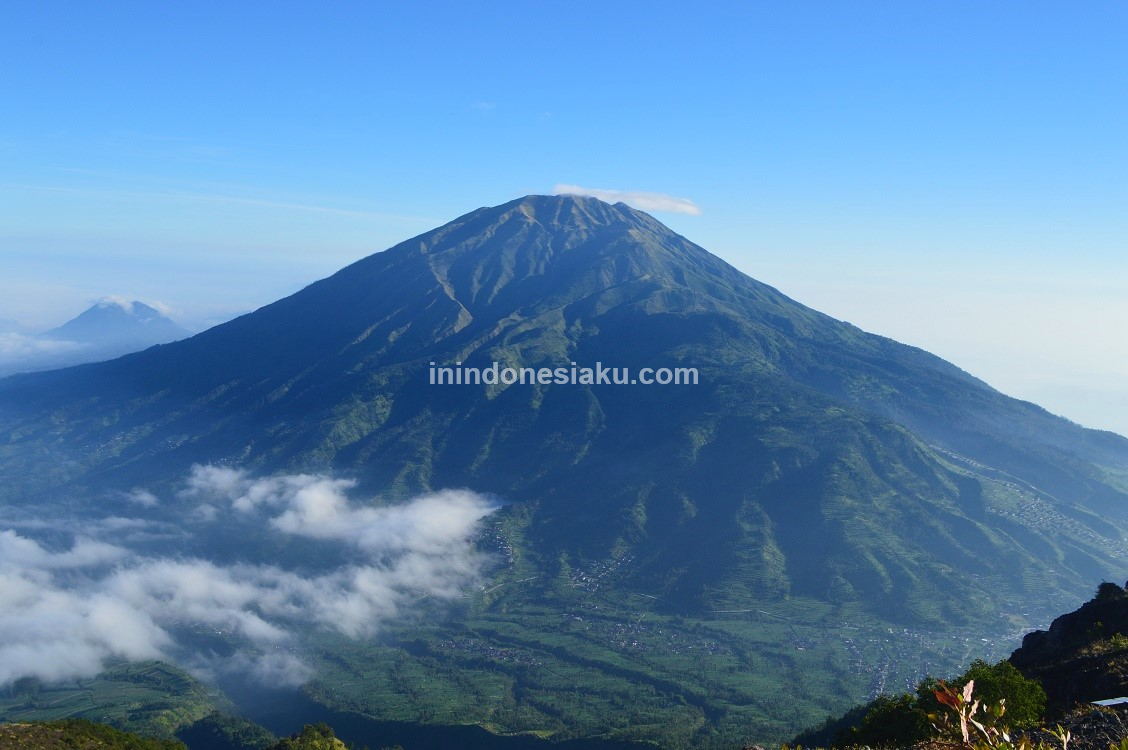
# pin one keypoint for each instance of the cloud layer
(20, 352)
(640, 200)
(64, 612)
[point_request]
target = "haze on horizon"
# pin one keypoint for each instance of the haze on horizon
(952, 177)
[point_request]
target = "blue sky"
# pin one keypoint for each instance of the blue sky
(953, 175)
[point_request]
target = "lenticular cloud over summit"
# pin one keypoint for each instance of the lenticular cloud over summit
(65, 611)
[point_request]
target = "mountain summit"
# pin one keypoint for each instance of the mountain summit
(811, 459)
(108, 329)
(117, 323)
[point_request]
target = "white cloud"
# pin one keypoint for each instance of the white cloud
(15, 347)
(64, 613)
(277, 669)
(164, 309)
(640, 200)
(13, 326)
(113, 299)
(55, 632)
(23, 353)
(17, 551)
(143, 497)
(129, 305)
(129, 533)
(208, 480)
(315, 506)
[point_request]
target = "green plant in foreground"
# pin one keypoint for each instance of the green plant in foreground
(965, 707)
(985, 719)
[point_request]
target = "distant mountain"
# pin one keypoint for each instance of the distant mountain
(812, 459)
(108, 329)
(118, 323)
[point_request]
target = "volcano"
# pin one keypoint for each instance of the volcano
(810, 458)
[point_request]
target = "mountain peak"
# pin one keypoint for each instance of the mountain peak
(539, 252)
(119, 306)
(118, 321)
(565, 204)
(557, 213)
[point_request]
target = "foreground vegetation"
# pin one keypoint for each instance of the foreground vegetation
(149, 698)
(1007, 705)
(910, 718)
(312, 737)
(80, 734)
(76, 734)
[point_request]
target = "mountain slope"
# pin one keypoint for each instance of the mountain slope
(811, 459)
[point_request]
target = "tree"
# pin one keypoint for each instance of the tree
(1025, 698)
(889, 722)
(1107, 591)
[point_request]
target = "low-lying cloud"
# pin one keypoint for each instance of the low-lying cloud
(65, 612)
(316, 506)
(635, 199)
(21, 352)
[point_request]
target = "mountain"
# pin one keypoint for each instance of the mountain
(118, 324)
(817, 479)
(106, 330)
(811, 458)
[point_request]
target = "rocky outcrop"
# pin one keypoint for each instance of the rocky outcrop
(1083, 657)
(1089, 729)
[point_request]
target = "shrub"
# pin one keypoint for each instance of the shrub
(1025, 698)
(889, 722)
(1107, 591)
